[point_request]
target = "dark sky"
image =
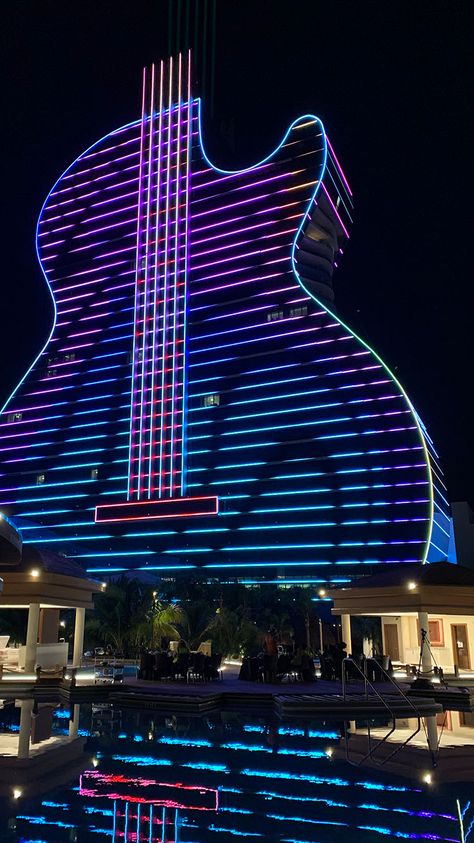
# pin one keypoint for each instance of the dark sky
(391, 83)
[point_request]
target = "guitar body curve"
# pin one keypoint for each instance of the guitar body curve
(199, 405)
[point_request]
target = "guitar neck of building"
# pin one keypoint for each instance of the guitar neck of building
(158, 394)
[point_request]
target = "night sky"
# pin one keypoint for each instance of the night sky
(390, 82)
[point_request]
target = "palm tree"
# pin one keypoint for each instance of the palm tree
(167, 620)
(223, 630)
(128, 616)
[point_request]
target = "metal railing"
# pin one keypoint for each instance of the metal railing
(368, 684)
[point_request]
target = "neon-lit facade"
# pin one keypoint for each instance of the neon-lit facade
(199, 405)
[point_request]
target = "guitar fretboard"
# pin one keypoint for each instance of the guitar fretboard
(158, 397)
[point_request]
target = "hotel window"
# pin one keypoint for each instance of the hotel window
(299, 311)
(13, 417)
(274, 315)
(68, 358)
(211, 400)
(51, 373)
(40, 478)
(94, 474)
(436, 633)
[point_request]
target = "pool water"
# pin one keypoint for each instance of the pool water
(101, 773)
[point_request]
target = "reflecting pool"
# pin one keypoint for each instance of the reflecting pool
(102, 773)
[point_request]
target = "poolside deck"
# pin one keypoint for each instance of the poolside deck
(285, 698)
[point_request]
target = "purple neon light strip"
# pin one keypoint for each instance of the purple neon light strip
(92, 181)
(252, 215)
(279, 335)
(244, 255)
(274, 222)
(253, 199)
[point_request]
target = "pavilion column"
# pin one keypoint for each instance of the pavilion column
(78, 637)
(25, 728)
(426, 662)
(31, 637)
(48, 626)
(432, 732)
(74, 723)
(346, 632)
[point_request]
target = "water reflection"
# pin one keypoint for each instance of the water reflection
(104, 774)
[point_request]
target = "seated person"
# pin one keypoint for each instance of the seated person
(304, 665)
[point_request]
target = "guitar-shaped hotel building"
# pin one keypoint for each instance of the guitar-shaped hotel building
(199, 406)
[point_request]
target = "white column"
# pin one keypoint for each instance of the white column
(74, 723)
(25, 728)
(31, 637)
(426, 663)
(346, 632)
(401, 639)
(78, 637)
(431, 732)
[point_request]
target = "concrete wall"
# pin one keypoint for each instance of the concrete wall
(409, 643)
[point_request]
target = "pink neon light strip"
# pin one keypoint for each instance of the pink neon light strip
(137, 278)
(186, 274)
(164, 354)
(150, 510)
(175, 286)
(157, 283)
(145, 286)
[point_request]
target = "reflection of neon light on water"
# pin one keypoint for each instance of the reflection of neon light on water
(95, 784)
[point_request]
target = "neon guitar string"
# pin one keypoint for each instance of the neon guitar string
(144, 258)
(186, 276)
(165, 300)
(175, 291)
(157, 282)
